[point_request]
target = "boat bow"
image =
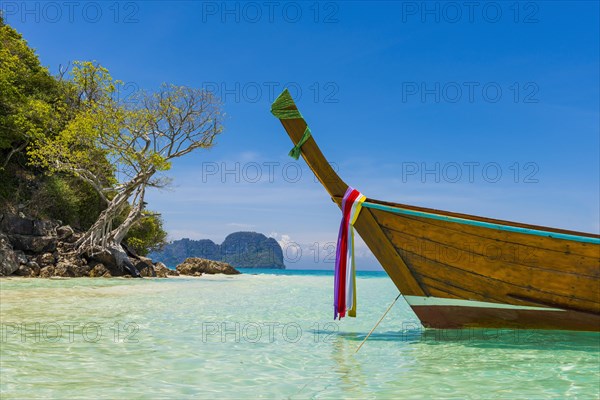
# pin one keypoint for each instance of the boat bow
(459, 270)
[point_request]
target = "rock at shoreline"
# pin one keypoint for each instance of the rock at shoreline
(47, 272)
(46, 259)
(8, 258)
(145, 267)
(162, 271)
(43, 248)
(100, 271)
(102, 256)
(197, 266)
(63, 270)
(31, 269)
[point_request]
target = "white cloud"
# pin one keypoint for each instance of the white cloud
(176, 234)
(282, 239)
(237, 225)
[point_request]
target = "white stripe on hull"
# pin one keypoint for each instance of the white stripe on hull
(439, 301)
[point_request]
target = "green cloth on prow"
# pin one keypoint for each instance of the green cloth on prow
(283, 101)
(279, 109)
(295, 151)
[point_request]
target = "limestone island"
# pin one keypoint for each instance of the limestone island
(240, 249)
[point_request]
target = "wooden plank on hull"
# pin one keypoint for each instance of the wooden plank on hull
(482, 287)
(511, 253)
(565, 246)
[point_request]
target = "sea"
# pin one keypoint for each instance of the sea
(265, 334)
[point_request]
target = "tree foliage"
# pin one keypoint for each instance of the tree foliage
(72, 150)
(138, 139)
(147, 234)
(31, 100)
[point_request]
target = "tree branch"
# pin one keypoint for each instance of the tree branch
(13, 151)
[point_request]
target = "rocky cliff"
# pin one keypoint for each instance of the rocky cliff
(32, 247)
(240, 249)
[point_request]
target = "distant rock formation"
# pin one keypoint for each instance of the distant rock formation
(197, 266)
(240, 249)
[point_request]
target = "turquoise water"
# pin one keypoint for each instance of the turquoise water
(264, 335)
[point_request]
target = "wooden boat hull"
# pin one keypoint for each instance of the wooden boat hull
(525, 281)
(443, 315)
(459, 270)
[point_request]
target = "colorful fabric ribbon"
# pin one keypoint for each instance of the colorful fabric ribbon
(345, 269)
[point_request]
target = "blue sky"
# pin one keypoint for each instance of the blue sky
(490, 109)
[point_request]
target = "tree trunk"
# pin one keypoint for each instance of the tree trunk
(98, 234)
(135, 213)
(122, 260)
(102, 234)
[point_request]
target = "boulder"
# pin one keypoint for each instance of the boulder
(8, 258)
(194, 266)
(162, 271)
(64, 232)
(46, 259)
(100, 270)
(102, 256)
(21, 257)
(29, 270)
(145, 267)
(34, 267)
(71, 259)
(23, 270)
(64, 270)
(21, 225)
(73, 270)
(79, 271)
(33, 244)
(47, 272)
(44, 228)
(15, 224)
(73, 238)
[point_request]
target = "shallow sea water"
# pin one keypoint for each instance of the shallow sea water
(268, 335)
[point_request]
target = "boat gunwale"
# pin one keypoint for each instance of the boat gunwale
(479, 254)
(487, 220)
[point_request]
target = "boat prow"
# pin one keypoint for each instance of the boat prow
(459, 270)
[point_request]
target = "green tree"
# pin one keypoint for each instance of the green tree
(31, 100)
(147, 234)
(63, 141)
(138, 139)
(34, 106)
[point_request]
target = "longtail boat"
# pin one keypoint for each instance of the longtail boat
(461, 271)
